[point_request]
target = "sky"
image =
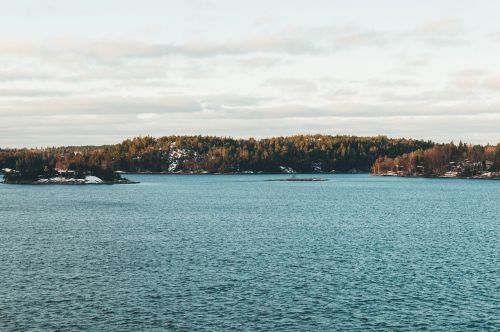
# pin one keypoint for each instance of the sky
(85, 72)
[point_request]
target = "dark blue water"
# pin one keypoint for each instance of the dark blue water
(238, 253)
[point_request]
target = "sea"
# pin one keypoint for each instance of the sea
(238, 252)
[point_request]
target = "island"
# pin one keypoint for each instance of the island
(49, 176)
(300, 154)
(300, 179)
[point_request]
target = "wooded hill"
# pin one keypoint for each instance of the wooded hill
(209, 154)
(462, 160)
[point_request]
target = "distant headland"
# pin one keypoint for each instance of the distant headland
(378, 155)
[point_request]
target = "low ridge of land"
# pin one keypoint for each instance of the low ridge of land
(213, 155)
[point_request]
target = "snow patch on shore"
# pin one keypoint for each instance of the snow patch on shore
(62, 180)
(287, 170)
(90, 179)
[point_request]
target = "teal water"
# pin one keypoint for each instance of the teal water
(235, 252)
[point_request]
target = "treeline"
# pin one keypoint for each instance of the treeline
(31, 165)
(200, 154)
(464, 160)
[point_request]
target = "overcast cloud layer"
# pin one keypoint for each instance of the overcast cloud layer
(94, 72)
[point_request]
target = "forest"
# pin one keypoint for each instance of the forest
(210, 154)
(445, 160)
(302, 154)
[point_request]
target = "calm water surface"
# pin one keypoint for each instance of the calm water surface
(235, 252)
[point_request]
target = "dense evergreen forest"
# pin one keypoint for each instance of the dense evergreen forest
(208, 154)
(303, 154)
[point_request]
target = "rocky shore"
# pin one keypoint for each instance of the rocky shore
(61, 178)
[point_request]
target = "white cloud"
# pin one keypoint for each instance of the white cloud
(446, 25)
(115, 105)
(442, 32)
(477, 79)
(292, 85)
(495, 36)
(30, 93)
(290, 40)
(251, 75)
(16, 48)
(146, 116)
(262, 62)
(492, 82)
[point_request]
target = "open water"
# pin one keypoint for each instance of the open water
(235, 252)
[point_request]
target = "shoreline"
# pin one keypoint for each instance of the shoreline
(36, 183)
(300, 179)
(437, 177)
(240, 173)
(311, 179)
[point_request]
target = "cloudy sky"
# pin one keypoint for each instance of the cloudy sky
(99, 71)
